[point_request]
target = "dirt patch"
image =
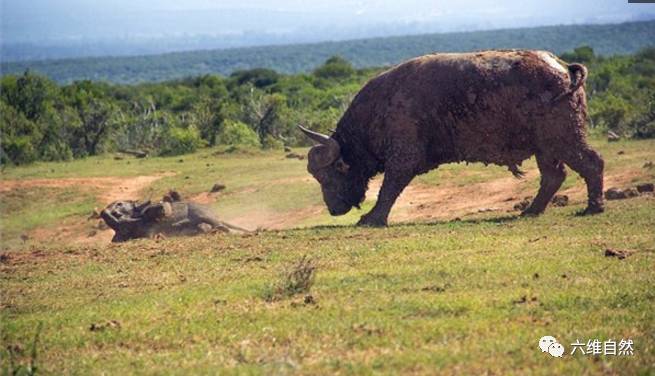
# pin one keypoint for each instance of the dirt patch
(84, 230)
(271, 220)
(418, 202)
(423, 202)
(108, 189)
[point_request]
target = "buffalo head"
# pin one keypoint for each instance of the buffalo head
(342, 185)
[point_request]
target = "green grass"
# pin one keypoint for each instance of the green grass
(29, 208)
(451, 297)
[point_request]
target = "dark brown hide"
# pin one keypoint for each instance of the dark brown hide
(499, 107)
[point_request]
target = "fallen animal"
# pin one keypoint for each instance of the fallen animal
(132, 220)
(497, 107)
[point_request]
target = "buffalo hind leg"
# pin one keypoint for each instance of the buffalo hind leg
(552, 176)
(589, 165)
(392, 185)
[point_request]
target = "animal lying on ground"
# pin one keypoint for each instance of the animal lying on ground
(499, 107)
(132, 220)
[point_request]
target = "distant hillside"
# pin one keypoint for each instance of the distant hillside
(607, 39)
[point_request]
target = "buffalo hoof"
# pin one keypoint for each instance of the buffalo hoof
(531, 212)
(369, 221)
(590, 210)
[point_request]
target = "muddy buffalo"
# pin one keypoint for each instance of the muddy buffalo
(173, 217)
(499, 107)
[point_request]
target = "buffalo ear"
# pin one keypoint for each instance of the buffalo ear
(325, 153)
(321, 156)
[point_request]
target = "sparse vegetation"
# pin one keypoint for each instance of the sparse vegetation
(297, 279)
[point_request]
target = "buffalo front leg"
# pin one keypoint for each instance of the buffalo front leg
(392, 186)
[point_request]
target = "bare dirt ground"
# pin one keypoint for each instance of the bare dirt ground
(85, 230)
(417, 203)
(422, 202)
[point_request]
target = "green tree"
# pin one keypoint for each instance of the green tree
(582, 54)
(209, 118)
(335, 68)
(96, 116)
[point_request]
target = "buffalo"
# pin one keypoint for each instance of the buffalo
(499, 107)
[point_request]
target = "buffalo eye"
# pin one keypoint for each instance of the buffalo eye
(341, 166)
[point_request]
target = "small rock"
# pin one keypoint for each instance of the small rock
(612, 137)
(217, 188)
(619, 194)
(296, 156)
(485, 210)
(618, 253)
(523, 204)
(631, 192)
(104, 325)
(560, 200)
(645, 187)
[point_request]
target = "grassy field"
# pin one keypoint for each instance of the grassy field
(441, 295)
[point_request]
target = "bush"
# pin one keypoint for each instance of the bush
(18, 150)
(271, 142)
(181, 141)
(238, 133)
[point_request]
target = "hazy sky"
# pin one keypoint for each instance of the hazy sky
(70, 19)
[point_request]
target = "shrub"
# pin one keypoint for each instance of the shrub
(238, 133)
(297, 279)
(181, 141)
